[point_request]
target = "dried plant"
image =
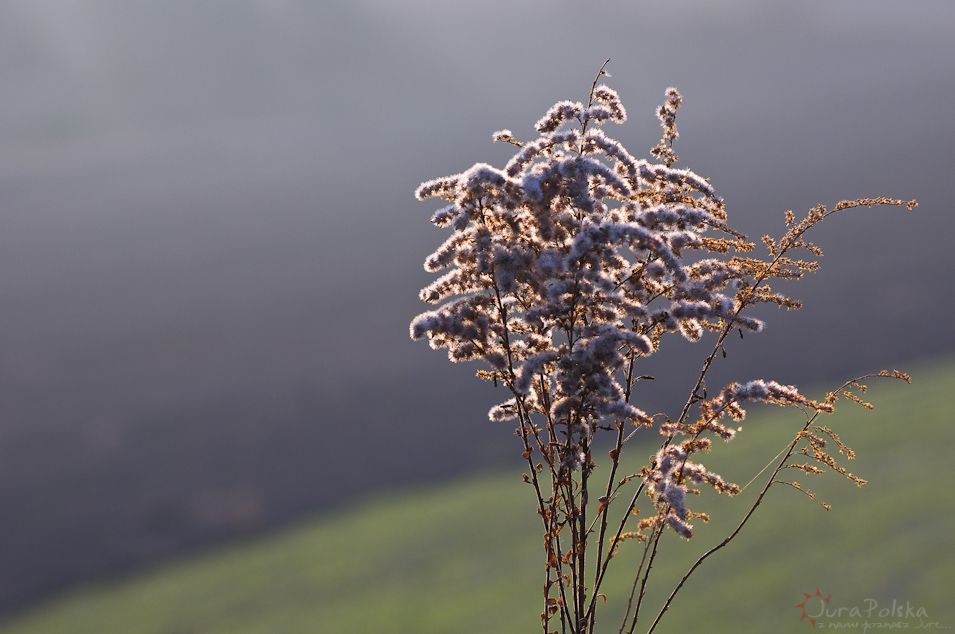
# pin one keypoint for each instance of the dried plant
(569, 268)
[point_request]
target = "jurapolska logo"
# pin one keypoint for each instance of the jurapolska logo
(869, 615)
(807, 612)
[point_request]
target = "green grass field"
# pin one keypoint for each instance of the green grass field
(464, 556)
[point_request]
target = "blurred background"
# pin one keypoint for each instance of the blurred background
(210, 251)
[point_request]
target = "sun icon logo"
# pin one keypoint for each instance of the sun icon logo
(812, 609)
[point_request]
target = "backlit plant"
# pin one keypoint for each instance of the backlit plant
(566, 270)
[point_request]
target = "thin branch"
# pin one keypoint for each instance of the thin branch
(643, 585)
(593, 88)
